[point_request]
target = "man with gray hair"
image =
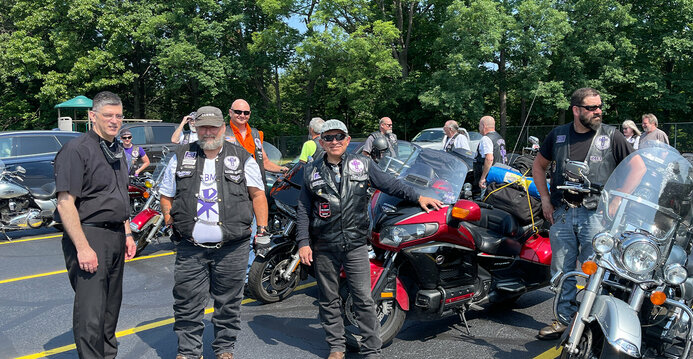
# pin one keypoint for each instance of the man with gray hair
(91, 179)
(386, 132)
(652, 133)
(456, 139)
(312, 148)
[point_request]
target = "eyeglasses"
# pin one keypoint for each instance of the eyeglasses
(387, 124)
(126, 137)
(591, 108)
(330, 138)
(239, 112)
(110, 116)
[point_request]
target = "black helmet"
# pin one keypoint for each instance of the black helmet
(380, 146)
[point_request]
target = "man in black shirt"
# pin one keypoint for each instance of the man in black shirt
(573, 217)
(91, 178)
(332, 211)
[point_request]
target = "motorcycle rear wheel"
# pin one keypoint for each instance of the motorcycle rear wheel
(265, 282)
(389, 313)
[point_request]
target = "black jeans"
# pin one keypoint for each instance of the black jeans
(200, 272)
(357, 268)
(97, 295)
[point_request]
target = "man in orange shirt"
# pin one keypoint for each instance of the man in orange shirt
(249, 138)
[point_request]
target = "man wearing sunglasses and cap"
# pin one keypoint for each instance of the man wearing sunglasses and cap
(573, 216)
(332, 219)
(210, 191)
(133, 154)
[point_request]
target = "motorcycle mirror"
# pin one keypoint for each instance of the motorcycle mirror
(576, 169)
(20, 169)
(533, 140)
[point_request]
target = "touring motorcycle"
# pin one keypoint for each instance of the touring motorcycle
(638, 296)
(148, 225)
(22, 207)
(427, 266)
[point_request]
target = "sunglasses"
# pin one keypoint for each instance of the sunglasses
(239, 112)
(330, 138)
(591, 108)
(387, 124)
(126, 137)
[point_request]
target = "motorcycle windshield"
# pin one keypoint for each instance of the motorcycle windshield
(435, 173)
(649, 191)
(166, 154)
(2, 167)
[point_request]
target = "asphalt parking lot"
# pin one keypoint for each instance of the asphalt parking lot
(36, 315)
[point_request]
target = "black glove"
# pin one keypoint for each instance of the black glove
(262, 244)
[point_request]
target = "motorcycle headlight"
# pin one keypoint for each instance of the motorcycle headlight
(149, 183)
(675, 274)
(395, 235)
(640, 255)
(603, 243)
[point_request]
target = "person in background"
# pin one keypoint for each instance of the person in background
(184, 138)
(133, 154)
(456, 139)
(652, 133)
(384, 131)
(312, 148)
(491, 150)
(631, 132)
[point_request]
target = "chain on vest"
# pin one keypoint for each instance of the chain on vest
(451, 143)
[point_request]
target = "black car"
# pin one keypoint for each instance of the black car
(35, 151)
(152, 137)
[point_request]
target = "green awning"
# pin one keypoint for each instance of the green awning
(77, 102)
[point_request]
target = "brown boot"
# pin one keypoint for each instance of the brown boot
(336, 355)
(225, 356)
(552, 331)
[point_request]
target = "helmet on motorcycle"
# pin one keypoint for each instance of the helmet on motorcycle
(380, 146)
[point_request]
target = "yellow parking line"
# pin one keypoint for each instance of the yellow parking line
(65, 270)
(552, 353)
(138, 329)
(31, 239)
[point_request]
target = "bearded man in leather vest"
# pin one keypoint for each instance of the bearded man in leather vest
(332, 228)
(573, 217)
(209, 193)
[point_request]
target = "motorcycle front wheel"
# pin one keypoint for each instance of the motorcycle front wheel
(266, 281)
(388, 312)
(593, 345)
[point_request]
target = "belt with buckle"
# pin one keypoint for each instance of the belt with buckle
(114, 226)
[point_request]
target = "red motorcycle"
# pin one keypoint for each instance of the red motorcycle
(138, 192)
(431, 265)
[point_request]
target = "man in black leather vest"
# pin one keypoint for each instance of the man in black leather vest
(209, 193)
(573, 217)
(491, 150)
(332, 214)
(384, 131)
(312, 148)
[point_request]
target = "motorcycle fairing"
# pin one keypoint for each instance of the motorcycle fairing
(617, 320)
(141, 219)
(537, 249)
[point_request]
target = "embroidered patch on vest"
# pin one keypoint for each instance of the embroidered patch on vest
(560, 138)
(356, 166)
(324, 210)
(189, 158)
(596, 158)
(602, 142)
(258, 143)
(183, 173)
(231, 162)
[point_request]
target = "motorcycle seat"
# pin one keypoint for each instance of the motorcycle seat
(47, 191)
(499, 221)
(491, 242)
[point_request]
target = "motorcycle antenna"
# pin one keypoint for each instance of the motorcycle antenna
(527, 117)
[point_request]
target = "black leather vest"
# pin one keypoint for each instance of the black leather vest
(451, 143)
(132, 159)
(391, 140)
(600, 159)
(339, 219)
(235, 209)
(499, 155)
(230, 137)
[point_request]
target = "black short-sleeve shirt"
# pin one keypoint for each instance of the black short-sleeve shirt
(580, 144)
(101, 189)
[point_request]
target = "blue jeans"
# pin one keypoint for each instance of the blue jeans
(571, 241)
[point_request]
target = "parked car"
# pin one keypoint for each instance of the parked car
(152, 137)
(435, 138)
(35, 151)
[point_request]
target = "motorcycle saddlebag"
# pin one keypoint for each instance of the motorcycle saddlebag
(513, 199)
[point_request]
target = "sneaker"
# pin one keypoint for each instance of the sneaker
(552, 331)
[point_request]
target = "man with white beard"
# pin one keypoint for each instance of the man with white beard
(209, 193)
